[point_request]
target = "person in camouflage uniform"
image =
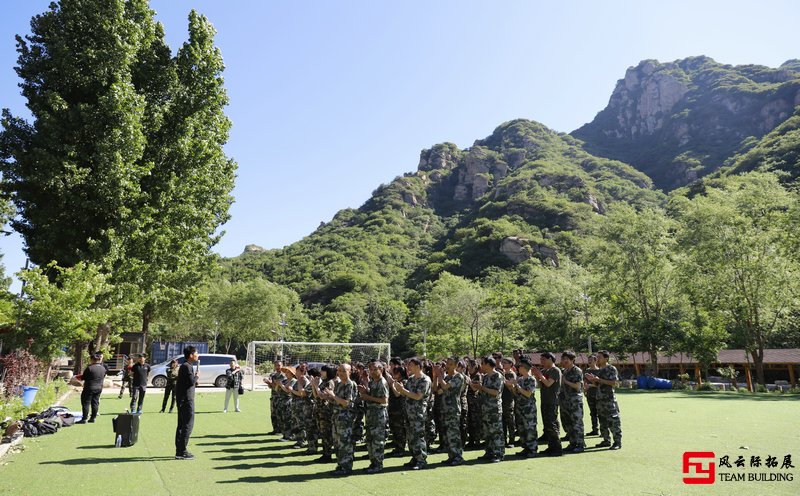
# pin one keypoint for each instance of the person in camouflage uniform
(310, 413)
(524, 388)
(549, 385)
(474, 420)
(343, 398)
(361, 377)
(607, 378)
(285, 403)
(591, 394)
(451, 383)
(298, 407)
(397, 414)
(437, 414)
(491, 399)
(571, 402)
(376, 398)
(324, 411)
(417, 392)
(273, 382)
(430, 426)
(509, 425)
(461, 368)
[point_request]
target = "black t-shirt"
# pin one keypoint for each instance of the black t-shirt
(140, 372)
(550, 393)
(93, 378)
(184, 388)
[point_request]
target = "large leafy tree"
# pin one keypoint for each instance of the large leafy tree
(122, 165)
(635, 260)
(455, 318)
(738, 237)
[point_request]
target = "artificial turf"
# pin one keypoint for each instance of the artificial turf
(234, 455)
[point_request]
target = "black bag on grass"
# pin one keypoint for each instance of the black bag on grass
(126, 429)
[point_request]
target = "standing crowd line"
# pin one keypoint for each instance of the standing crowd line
(464, 403)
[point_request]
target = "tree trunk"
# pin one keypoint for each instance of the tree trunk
(654, 361)
(758, 361)
(145, 327)
(101, 340)
(77, 364)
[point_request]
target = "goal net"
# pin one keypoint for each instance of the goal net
(262, 354)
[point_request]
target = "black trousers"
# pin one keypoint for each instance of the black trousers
(88, 399)
(591, 399)
(185, 425)
(169, 391)
(137, 396)
(552, 431)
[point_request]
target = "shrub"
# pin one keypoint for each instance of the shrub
(794, 390)
(46, 396)
(705, 387)
(760, 388)
(20, 368)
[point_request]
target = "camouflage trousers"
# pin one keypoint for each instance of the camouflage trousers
(325, 430)
(343, 440)
(273, 411)
(550, 426)
(397, 427)
(463, 420)
(285, 417)
(525, 417)
(430, 426)
(298, 422)
(572, 419)
(493, 429)
(451, 436)
(415, 431)
(310, 418)
(358, 422)
(608, 414)
(376, 434)
(509, 425)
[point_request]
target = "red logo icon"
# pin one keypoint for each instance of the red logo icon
(703, 464)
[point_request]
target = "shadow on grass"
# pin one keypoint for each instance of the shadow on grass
(252, 434)
(94, 461)
(236, 443)
(714, 395)
(247, 450)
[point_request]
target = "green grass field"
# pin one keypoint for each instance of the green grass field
(234, 455)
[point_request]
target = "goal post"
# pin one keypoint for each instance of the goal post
(262, 354)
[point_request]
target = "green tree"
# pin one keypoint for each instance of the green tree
(67, 305)
(455, 318)
(737, 238)
(123, 163)
(635, 261)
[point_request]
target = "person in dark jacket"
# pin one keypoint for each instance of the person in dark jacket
(184, 394)
(92, 387)
(169, 391)
(139, 374)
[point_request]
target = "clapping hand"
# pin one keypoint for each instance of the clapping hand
(362, 389)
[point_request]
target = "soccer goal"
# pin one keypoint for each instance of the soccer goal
(262, 354)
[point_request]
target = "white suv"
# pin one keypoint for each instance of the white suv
(212, 370)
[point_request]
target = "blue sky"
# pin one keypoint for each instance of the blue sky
(329, 99)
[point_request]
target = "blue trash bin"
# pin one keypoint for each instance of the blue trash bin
(28, 395)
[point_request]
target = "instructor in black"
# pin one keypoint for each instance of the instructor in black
(92, 387)
(139, 374)
(184, 394)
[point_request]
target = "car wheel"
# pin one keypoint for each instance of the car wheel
(159, 381)
(221, 381)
